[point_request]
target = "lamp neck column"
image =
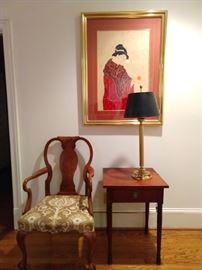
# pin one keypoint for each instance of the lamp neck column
(141, 142)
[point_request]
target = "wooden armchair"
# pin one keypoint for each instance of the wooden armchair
(65, 211)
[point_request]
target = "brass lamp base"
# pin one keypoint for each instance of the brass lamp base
(141, 174)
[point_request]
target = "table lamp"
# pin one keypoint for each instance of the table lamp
(141, 105)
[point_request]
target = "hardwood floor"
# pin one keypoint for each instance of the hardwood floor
(132, 250)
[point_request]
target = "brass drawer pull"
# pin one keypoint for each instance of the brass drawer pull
(135, 195)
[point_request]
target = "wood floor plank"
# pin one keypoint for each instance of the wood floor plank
(132, 250)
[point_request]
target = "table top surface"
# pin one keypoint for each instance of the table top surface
(121, 177)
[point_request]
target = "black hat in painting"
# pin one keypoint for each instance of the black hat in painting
(119, 50)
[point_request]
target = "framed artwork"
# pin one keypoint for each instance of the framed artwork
(122, 52)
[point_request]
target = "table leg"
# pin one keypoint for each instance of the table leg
(109, 227)
(159, 231)
(146, 229)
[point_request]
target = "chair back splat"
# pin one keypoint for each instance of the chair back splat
(68, 163)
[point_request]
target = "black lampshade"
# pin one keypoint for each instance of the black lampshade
(141, 104)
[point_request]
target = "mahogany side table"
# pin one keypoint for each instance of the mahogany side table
(121, 187)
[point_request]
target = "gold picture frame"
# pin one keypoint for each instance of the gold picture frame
(109, 40)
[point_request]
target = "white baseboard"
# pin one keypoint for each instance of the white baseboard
(16, 214)
(173, 218)
(176, 218)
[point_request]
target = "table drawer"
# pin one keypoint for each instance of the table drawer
(131, 195)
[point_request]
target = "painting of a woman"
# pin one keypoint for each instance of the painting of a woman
(117, 83)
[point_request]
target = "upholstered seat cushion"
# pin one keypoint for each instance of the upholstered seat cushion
(58, 213)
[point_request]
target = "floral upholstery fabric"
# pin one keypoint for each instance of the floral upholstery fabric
(58, 213)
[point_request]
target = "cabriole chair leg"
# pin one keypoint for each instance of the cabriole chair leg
(20, 237)
(90, 237)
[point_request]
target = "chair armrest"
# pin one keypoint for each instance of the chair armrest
(28, 190)
(88, 177)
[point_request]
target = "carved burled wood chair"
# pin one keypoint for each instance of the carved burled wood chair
(65, 211)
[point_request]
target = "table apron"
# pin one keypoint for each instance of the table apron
(134, 195)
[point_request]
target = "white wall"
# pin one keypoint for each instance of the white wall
(45, 39)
